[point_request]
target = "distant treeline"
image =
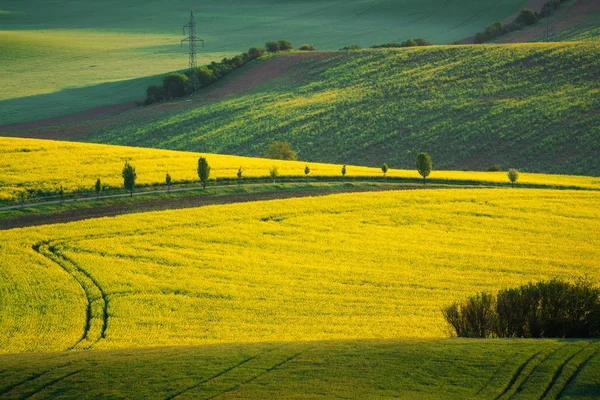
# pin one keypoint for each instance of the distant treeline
(392, 45)
(180, 84)
(526, 17)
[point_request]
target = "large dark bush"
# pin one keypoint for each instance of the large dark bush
(527, 17)
(272, 46)
(175, 85)
(545, 309)
(255, 52)
(155, 94)
(285, 45)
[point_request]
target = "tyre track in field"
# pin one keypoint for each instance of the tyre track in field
(560, 369)
(8, 389)
(245, 361)
(575, 374)
(274, 367)
(516, 375)
(51, 383)
(530, 374)
(87, 282)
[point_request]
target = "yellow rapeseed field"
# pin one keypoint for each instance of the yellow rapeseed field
(371, 265)
(45, 165)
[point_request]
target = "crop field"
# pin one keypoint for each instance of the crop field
(84, 54)
(467, 106)
(406, 369)
(43, 166)
(348, 266)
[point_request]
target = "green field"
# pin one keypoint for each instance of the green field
(83, 54)
(529, 106)
(406, 369)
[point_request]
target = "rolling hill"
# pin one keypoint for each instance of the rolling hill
(529, 106)
(67, 56)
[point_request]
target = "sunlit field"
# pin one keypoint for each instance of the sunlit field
(43, 166)
(337, 267)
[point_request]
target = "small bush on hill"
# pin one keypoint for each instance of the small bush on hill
(307, 47)
(546, 309)
(280, 151)
(406, 43)
(272, 46)
(527, 17)
(285, 45)
(494, 168)
(491, 32)
(255, 52)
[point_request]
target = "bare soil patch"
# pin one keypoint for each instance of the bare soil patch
(176, 203)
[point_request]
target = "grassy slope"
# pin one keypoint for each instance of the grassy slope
(83, 54)
(531, 106)
(407, 369)
(43, 166)
(348, 266)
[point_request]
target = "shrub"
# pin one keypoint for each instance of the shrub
(272, 46)
(175, 85)
(285, 45)
(255, 52)
(406, 43)
(554, 308)
(494, 168)
(491, 32)
(155, 94)
(168, 180)
(527, 17)
(307, 47)
(205, 76)
(273, 173)
(474, 318)
(98, 187)
(280, 151)
(384, 169)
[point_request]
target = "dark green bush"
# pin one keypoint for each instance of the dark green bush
(406, 43)
(554, 309)
(494, 168)
(285, 45)
(175, 85)
(527, 17)
(155, 94)
(272, 46)
(255, 52)
(307, 47)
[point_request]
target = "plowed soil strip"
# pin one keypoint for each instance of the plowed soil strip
(175, 203)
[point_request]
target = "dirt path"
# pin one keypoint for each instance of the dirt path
(176, 203)
(535, 5)
(250, 77)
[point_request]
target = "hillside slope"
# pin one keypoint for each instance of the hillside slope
(82, 54)
(530, 106)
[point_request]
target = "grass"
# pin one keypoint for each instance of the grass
(467, 106)
(43, 166)
(106, 52)
(407, 369)
(347, 266)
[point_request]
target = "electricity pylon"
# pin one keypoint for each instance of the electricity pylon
(192, 39)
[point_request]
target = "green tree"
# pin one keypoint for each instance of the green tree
(61, 193)
(343, 171)
(240, 173)
(203, 171)
(424, 165)
(306, 172)
(513, 176)
(384, 168)
(273, 173)
(98, 188)
(307, 47)
(168, 182)
(280, 151)
(22, 197)
(175, 85)
(129, 176)
(255, 52)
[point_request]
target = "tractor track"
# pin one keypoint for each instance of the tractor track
(87, 282)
